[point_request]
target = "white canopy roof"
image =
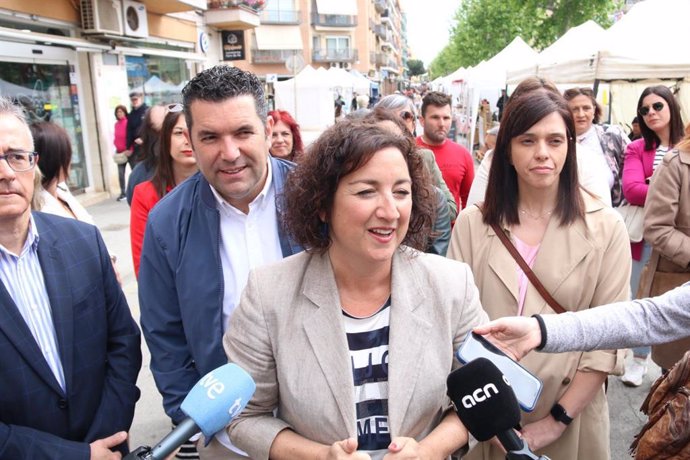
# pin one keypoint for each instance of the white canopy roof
(631, 49)
(579, 42)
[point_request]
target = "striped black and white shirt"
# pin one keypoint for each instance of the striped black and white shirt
(367, 340)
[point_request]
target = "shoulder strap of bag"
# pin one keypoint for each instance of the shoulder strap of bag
(528, 271)
(646, 280)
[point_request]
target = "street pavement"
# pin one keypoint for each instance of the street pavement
(151, 423)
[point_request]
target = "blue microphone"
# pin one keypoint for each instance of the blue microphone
(211, 404)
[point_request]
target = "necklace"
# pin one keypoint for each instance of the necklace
(535, 217)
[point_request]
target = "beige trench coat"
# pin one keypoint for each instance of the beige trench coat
(583, 265)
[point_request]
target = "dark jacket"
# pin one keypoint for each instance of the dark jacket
(100, 352)
(181, 286)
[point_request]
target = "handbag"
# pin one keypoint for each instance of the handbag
(120, 158)
(666, 435)
(660, 275)
(633, 216)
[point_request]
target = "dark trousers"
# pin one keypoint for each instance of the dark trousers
(121, 177)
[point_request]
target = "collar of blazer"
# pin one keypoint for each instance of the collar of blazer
(561, 250)
(408, 328)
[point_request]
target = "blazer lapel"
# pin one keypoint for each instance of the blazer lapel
(572, 246)
(503, 265)
(408, 331)
(326, 334)
(58, 285)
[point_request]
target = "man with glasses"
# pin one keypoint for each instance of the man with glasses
(69, 348)
(202, 239)
(135, 120)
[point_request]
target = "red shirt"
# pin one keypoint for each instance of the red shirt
(457, 168)
(143, 201)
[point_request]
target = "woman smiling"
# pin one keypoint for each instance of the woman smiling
(352, 348)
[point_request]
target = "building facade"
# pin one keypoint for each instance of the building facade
(74, 61)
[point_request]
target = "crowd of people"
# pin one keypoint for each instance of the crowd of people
(341, 275)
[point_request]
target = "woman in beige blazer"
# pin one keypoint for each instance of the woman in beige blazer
(575, 245)
(350, 343)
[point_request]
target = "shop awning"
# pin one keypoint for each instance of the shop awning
(340, 7)
(278, 38)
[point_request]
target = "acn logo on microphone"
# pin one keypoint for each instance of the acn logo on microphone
(479, 395)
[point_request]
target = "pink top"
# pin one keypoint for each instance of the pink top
(637, 169)
(121, 135)
(529, 253)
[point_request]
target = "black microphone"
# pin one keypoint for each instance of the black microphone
(487, 406)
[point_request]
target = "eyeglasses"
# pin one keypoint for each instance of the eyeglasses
(20, 160)
(657, 106)
(407, 116)
(175, 108)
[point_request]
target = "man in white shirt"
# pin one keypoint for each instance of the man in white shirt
(202, 240)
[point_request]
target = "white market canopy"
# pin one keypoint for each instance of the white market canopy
(630, 50)
(308, 97)
(493, 71)
(579, 42)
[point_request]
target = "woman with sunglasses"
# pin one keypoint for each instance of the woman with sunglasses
(176, 162)
(608, 142)
(404, 107)
(662, 128)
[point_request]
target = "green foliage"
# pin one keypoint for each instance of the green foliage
(484, 27)
(416, 67)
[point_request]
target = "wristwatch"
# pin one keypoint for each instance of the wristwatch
(559, 413)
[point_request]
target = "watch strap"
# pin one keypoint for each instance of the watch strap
(559, 413)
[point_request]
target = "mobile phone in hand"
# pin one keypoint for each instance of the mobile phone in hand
(527, 386)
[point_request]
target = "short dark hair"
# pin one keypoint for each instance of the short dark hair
(436, 99)
(572, 93)
(651, 140)
(521, 113)
(54, 148)
(163, 176)
(341, 149)
(220, 83)
(120, 107)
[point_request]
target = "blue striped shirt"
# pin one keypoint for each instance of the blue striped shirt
(23, 279)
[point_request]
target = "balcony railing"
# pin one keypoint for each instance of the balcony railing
(381, 59)
(380, 5)
(380, 31)
(333, 20)
(280, 17)
(256, 5)
(272, 56)
(339, 55)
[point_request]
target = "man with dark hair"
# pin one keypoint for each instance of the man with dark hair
(454, 160)
(70, 351)
(205, 236)
(134, 121)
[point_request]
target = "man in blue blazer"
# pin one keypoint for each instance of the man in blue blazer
(69, 348)
(202, 238)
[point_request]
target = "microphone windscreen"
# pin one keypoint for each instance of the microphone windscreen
(483, 399)
(218, 397)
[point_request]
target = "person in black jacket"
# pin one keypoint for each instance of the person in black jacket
(134, 122)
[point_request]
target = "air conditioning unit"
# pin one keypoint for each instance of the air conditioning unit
(135, 20)
(101, 17)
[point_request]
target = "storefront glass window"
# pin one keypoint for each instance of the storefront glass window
(161, 79)
(48, 92)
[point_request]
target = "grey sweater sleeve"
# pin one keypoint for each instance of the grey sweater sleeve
(621, 325)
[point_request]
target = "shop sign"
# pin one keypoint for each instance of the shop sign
(233, 45)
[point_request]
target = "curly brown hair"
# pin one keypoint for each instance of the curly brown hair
(340, 150)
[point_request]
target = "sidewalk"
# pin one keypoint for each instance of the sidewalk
(151, 423)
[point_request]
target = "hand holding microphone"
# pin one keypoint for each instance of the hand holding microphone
(211, 404)
(487, 406)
